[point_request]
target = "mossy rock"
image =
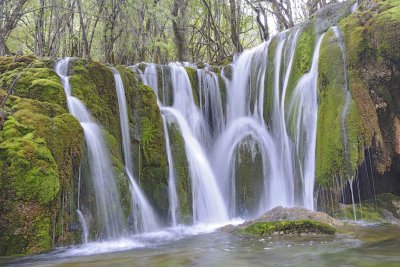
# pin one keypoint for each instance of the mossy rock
(36, 81)
(373, 74)
(192, 74)
(288, 228)
(181, 173)
(147, 136)
(384, 208)
(93, 83)
(40, 150)
(249, 177)
(333, 158)
(302, 57)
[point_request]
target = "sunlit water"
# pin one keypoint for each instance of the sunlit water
(371, 245)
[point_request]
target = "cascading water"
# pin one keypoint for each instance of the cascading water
(347, 94)
(212, 142)
(305, 97)
(345, 109)
(81, 217)
(149, 77)
(208, 204)
(210, 100)
(145, 219)
(172, 194)
(109, 215)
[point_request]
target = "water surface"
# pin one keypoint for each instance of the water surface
(368, 245)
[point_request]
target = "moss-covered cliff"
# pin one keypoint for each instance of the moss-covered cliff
(42, 150)
(371, 37)
(41, 147)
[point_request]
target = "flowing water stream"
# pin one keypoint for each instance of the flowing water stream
(144, 217)
(109, 211)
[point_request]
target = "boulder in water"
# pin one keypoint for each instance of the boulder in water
(287, 221)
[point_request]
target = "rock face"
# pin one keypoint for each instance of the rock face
(384, 208)
(370, 160)
(287, 221)
(41, 147)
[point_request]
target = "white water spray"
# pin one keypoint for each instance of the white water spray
(145, 219)
(108, 205)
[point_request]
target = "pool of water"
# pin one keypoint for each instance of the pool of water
(362, 245)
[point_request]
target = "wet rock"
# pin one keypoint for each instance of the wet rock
(293, 214)
(282, 221)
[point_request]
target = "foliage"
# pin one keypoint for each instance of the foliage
(127, 31)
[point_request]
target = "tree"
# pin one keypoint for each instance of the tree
(10, 14)
(179, 27)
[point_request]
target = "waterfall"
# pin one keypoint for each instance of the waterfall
(345, 109)
(354, 6)
(208, 204)
(305, 96)
(172, 194)
(81, 218)
(283, 131)
(149, 77)
(145, 219)
(109, 215)
(85, 228)
(347, 100)
(210, 100)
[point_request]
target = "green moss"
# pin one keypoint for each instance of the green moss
(148, 146)
(10, 63)
(31, 168)
(332, 157)
(269, 83)
(385, 31)
(370, 37)
(248, 177)
(366, 213)
(37, 83)
(93, 83)
(372, 210)
(181, 172)
(330, 150)
(192, 74)
(40, 147)
(302, 58)
(42, 240)
(288, 227)
(355, 135)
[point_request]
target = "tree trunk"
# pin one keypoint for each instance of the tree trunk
(234, 27)
(179, 28)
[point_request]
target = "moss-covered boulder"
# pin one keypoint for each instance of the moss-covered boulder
(287, 221)
(148, 142)
(281, 228)
(40, 151)
(181, 172)
(36, 79)
(249, 177)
